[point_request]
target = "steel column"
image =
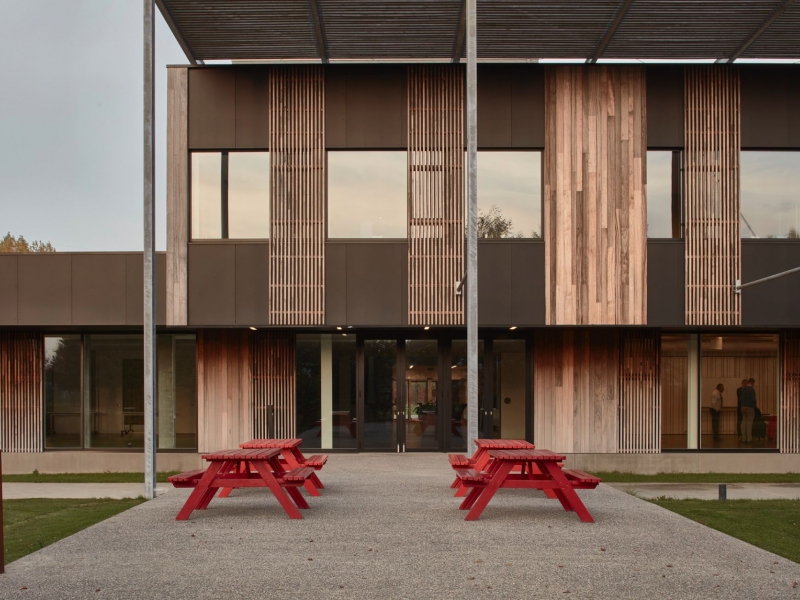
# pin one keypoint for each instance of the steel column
(149, 255)
(472, 229)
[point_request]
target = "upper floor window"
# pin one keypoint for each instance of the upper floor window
(663, 194)
(509, 194)
(770, 194)
(230, 195)
(367, 194)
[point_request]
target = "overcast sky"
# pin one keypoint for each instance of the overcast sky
(71, 122)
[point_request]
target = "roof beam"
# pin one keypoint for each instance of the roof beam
(460, 35)
(318, 27)
(757, 33)
(176, 31)
(612, 29)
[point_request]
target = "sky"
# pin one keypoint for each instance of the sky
(71, 122)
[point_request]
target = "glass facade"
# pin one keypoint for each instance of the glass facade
(380, 394)
(206, 195)
(367, 194)
(458, 382)
(62, 391)
(422, 394)
(509, 194)
(659, 194)
(770, 194)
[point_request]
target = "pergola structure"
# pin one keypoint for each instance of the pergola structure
(362, 31)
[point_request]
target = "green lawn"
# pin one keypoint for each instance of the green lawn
(773, 525)
(34, 523)
(622, 477)
(84, 477)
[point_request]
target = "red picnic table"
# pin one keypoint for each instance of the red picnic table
(541, 471)
(480, 459)
(243, 468)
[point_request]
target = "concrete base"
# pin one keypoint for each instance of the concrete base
(687, 462)
(95, 462)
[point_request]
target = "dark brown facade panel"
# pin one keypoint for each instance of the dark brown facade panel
(98, 289)
(527, 107)
(212, 284)
(212, 108)
(770, 107)
(252, 107)
(511, 101)
(775, 302)
(252, 284)
(375, 107)
(8, 290)
(494, 100)
(375, 283)
(45, 289)
(665, 107)
(335, 284)
(666, 265)
(336, 108)
(134, 299)
(494, 283)
(527, 284)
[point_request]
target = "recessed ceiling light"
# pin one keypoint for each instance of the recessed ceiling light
(344, 335)
(349, 326)
(253, 328)
(454, 366)
(512, 328)
(426, 327)
(410, 366)
(339, 328)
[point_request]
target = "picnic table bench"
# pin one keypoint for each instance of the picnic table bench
(480, 459)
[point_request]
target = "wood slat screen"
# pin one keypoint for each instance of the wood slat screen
(436, 192)
(224, 381)
(595, 209)
(274, 397)
(177, 195)
(297, 196)
(639, 392)
(576, 386)
(21, 392)
(789, 418)
(711, 191)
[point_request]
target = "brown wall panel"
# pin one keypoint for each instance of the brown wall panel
(336, 107)
(772, 302)
(252, 284)
(527, 284)
(21, 405)
(212, 108)
(8, 290)
(335, 283)
(134, 299)
(45, 289)
(375, 106)
(494, 100)
(374, 283)
(177, 195)
(495, 282)
(527, 107)
(252, 107)
(666, 274)
(770, 106)
(212, 284)
(665, 107)
(98, 289)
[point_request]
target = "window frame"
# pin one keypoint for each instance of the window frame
(767, 239)
(676, 194)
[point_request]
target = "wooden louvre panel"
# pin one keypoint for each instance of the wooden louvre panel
(789, 418)
(177, 195)
(297, 196)
(575, 393)
(639, 392)
(436, 188)
(595, 209)
(274, 400)
(21, 392)
(711, 191)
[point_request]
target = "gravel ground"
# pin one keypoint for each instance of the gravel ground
(387, 526)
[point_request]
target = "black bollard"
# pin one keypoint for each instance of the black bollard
(723, 491)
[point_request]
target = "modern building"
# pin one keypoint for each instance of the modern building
(313, 284)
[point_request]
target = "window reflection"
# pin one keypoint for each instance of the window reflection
(770, 193)
(458, 377)
(422, 408)
(659, 194)
(509, 194)
(248, 195)
(367, 194)
(206, 195)
(62, 391)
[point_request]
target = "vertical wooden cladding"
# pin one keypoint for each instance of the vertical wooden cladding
(640, 391)
(436, 194)
(177, 195)
(789, 419)
(711, 180)
(595, 209)
(273, 366)
(575, 390)
(224, 384)
(21, 392)
(297, 196)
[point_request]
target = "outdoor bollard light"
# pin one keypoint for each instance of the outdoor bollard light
(723, 491)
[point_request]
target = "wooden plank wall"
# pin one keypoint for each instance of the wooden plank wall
(576, 386)
(21, 403)
(297, 196)
(711, 192)
(789, 418)
(640, 398)
(436, 192)
(273, 355)
(177, 195)
(595, 208)
(224, 381)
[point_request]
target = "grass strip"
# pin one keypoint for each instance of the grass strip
(625, 477)
(33, 523)
(106, 477)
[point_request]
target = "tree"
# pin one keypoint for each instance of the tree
(19, 244)
(793, 235)
(492, 224)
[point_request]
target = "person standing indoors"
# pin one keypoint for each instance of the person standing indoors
(739, 409)
(748, 410)
(716, 410)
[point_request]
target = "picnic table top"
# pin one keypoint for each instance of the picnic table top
(273, 443)
(242, 454)
(527, 454)
(488, 444)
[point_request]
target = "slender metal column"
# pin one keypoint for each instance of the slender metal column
(149, 255)
(472, 229)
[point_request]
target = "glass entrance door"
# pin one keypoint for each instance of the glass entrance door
(421, 414)
(380, 412)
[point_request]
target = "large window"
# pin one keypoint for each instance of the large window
(770, 194)
(230, 195)
(663, 200)
(509, 194)
(367, 194)
(62, 391)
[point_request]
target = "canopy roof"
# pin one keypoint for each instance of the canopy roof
(433, 30)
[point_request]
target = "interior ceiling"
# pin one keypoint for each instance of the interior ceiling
(362, 30)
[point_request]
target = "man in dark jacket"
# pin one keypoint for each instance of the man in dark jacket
(748, 410)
